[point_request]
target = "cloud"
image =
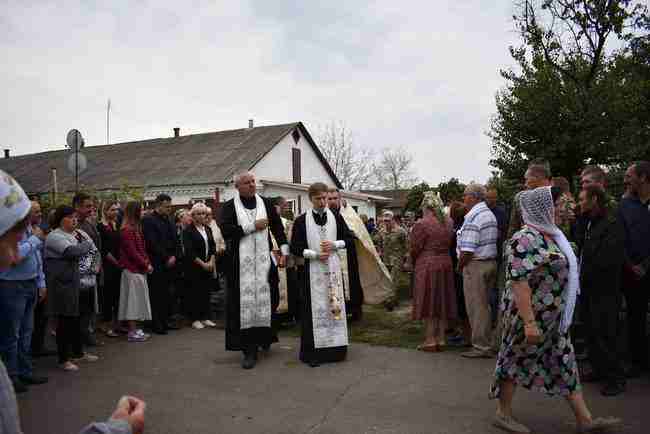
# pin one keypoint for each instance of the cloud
(414, 74)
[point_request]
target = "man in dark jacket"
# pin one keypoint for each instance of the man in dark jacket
(634, 213)
(160, 240)
(602, 255)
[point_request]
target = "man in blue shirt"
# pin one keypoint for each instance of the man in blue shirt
(634, 212)
(20, 287)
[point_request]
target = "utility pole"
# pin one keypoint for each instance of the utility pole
(108, 122)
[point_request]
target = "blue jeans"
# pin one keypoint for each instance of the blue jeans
(17, 301)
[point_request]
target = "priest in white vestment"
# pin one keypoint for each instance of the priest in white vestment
(317, 236)
(252, 295)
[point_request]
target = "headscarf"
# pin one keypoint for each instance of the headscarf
(538, 211)
(14, 203)
(433, 201)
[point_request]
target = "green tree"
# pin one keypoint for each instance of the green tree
(572, 101)
(415, 196)
(451, 190)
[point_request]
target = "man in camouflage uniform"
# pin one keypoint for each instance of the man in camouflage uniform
(392, 244)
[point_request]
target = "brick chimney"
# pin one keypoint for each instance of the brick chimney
(7, 153)
(177, 132)
(250, 123)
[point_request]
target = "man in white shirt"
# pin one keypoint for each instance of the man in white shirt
(477, 253)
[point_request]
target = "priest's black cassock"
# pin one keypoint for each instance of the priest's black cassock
(238, 339)
(299, 243)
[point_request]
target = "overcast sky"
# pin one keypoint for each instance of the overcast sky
(419, 75)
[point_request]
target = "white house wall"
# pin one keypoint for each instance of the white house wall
(363, 206)
(277, 164)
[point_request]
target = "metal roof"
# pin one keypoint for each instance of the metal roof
(195, 159)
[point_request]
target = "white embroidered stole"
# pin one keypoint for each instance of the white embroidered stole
(254, 267)
(328, 331)
(343, 257)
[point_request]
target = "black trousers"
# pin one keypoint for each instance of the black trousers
(637, 294)
(86, 314)
(160, 282)
(111, 292)
(40, 326)
(197, 293)
(68, 338)
(600, 316)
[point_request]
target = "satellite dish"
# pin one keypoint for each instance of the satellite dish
(80, 160)
(75, 140)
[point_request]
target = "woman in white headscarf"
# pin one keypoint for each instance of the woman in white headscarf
(537, 307)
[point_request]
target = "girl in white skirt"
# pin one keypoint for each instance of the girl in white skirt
(134, 292)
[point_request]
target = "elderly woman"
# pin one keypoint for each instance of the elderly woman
(434, 295)
(537, 307)
(199, 245)
(68, 256)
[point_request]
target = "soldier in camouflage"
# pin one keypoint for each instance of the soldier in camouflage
(392, 244)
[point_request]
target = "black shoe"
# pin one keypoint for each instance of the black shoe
(19, 386)
(173, 327)
(266, 348)
(33, 379)
(249, 361)
(92, 342)
(313, 364)
(633, 372)
(612, 389)
(43, 353)
(160, 331)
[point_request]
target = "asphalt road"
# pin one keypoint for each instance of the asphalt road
(192, 385)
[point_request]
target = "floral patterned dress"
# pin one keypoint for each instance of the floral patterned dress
(549, 366)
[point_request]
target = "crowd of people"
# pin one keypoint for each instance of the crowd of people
(508, 287)
(505, 285)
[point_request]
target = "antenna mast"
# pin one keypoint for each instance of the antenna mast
(108, 122)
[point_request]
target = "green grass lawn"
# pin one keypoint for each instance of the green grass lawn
(380, 327)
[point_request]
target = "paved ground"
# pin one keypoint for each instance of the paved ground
(193, 386)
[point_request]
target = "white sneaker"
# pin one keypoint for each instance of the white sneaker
(197, 325)
(209, 323)
(87, 357)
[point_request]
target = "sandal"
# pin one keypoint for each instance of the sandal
(598, 424)
(430, 348)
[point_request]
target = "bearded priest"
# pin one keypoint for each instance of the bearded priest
(317, 236)
(252, 276)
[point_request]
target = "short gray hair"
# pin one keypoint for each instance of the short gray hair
(476, 190)
(239, 176)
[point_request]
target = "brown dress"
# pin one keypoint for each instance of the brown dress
(434, 293)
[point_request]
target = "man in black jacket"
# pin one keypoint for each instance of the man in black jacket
(602, 256)
(160, 240)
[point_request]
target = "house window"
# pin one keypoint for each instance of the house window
(296, 136)
(297, 170)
